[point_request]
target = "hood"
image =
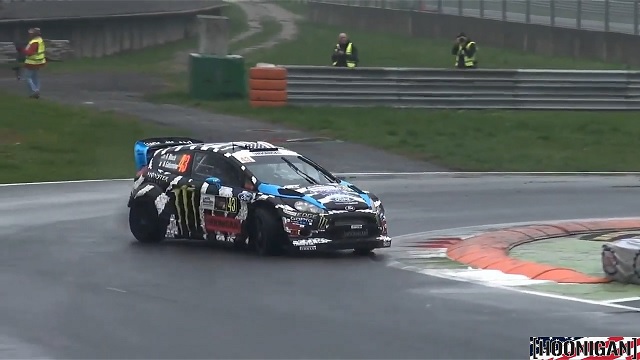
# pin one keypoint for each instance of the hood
(334, 196)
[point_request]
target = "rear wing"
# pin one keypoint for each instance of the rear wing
(144, 149)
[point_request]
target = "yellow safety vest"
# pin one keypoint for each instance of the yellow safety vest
(468, 60)
(39, 57)
(350, 64)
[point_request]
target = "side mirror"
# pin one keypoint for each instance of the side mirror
(213, 181)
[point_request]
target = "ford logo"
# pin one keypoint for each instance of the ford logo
(350, 208)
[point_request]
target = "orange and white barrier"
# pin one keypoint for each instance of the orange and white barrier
(267, 86)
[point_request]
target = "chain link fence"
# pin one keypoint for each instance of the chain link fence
(601, 15)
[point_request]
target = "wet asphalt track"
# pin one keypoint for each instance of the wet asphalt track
(75, 285)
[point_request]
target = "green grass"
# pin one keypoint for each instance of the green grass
(51, 142)
(467, 140)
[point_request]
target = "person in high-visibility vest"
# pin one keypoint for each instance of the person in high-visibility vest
(35, 59)
(465, 51)
(345, 53)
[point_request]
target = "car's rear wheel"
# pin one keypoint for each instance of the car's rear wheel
(144, 222)
(266, 234)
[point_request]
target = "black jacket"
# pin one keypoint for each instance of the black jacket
(341, 60)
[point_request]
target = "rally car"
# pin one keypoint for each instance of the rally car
(249, 194)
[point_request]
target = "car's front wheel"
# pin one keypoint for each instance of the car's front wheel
(266, 233)
(144, 222)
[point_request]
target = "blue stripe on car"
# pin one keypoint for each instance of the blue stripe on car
(269, 189)
(364, 196)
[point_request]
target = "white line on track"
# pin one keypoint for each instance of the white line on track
(614, 301)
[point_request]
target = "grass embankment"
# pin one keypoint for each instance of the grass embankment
(51, 142)
(467, 140)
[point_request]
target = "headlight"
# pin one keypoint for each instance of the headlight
(304, 206)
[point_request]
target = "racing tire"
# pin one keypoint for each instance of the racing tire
(363, 251)
(266, 233)
(144, 222)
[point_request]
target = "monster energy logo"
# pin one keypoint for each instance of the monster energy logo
(185, 201)
(322, 222)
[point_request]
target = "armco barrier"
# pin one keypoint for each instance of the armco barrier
(463, 89)
(100, 35)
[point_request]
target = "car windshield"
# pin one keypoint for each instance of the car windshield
(287, 170)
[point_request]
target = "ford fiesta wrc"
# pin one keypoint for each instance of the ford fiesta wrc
(249, 194)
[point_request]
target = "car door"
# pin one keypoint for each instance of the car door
(224, 207)
(184, 194)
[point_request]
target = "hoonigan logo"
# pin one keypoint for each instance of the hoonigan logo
(616, 347)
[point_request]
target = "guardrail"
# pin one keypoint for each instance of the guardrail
(463, 89)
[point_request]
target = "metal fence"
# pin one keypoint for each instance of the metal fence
(464, 89)
(603, 15)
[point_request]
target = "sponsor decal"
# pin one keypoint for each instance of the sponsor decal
(301, 221)
(172, 228)
(307, 248)
(323, 222)
(186, 209)
(293, 228)
(356, 233)
(208, 201)
(311, 241)
(226, 204)
(169, 157)
(262, 153)
(245, 159)
(222, 224)
(177, 142)
(342, 199)
(245, 196)
(293, 213)
(356, 226)
(180, 166)
(156, 176)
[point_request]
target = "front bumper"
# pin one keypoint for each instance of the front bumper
(320, 244)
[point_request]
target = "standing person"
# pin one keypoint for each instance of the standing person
(345, 54)
(35, 59)
(465, 51)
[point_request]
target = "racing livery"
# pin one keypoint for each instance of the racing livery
(250, 194)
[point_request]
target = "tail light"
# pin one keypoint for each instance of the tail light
(142, 172)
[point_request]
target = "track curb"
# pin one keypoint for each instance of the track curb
(490, 250)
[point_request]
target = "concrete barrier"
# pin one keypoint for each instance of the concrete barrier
(534, 38)
(97, 36)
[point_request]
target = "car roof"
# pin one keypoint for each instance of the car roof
(238, 149)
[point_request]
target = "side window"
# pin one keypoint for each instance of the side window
(175, 162)
(215, 165)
